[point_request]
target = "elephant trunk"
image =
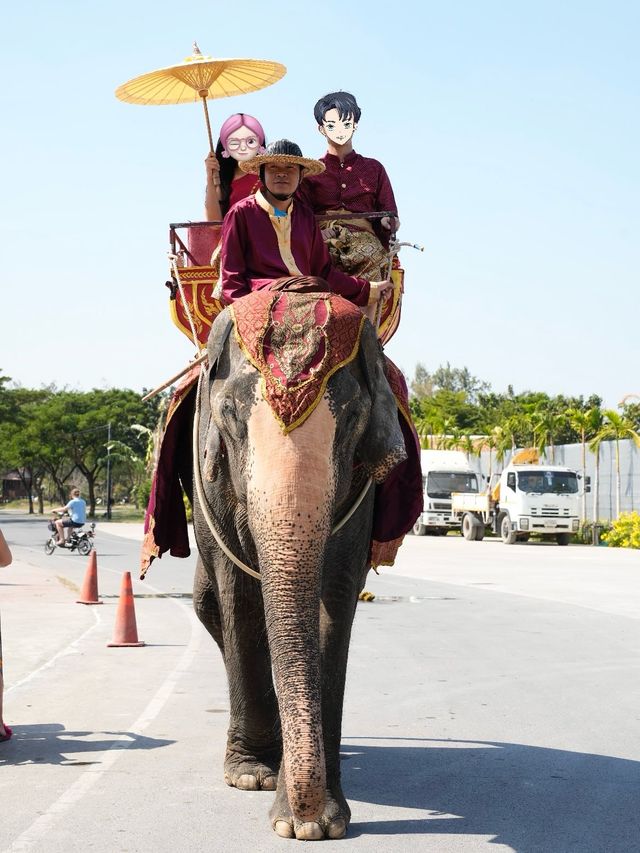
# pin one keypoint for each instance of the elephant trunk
(291, 517)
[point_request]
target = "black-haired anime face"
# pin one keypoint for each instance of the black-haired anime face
(337, 130)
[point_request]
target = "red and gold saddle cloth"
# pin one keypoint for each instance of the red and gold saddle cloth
(297, 341)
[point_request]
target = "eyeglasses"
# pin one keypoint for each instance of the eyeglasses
(234, 144)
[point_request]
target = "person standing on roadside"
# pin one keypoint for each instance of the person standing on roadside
(5, 560)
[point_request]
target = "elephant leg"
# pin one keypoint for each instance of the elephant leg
(340, 589)
(254, 741)
(205, 603)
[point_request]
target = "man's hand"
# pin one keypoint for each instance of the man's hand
(213, 169)
(391, 223)
(378, 290)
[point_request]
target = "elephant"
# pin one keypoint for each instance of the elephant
(271, 497)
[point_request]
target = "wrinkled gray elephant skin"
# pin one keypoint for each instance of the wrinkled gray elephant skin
(274, 499)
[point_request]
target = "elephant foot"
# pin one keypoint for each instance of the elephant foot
(251, 772)
(332, 823)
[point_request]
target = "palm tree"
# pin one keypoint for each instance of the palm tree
(468, 445)
(616, 428)
(503, 441)
(486, 442)
(595, 425)
(547, 424)
(450, 434)
(581, 421)
(429, 423)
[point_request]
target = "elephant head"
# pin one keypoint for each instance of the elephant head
(276, 490)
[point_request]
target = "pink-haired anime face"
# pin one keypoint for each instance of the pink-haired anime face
(242, 137)
(242, 144)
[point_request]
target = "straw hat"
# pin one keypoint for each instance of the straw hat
(285, 152)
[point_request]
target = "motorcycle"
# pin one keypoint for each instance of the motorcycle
(80, 539)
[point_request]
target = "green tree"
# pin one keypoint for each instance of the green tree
(617, 428)
(467, 444)
(586, 422)
(503, 441)
(21, 446)
(59, 432)
(93, 412)
(597, 421)
(547, 424)
(631, 411)
(447, 378)
(421, 384)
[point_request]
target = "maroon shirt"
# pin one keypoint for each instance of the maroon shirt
(251, 256)
(357, 184)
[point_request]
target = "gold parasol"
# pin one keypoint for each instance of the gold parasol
(201, 77)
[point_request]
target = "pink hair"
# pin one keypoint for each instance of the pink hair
(241, 120)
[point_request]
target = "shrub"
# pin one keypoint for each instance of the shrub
(143, 493)
(187, 507)
(625, 531)
(584, 536)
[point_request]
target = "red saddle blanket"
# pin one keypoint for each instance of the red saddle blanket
(296, 342)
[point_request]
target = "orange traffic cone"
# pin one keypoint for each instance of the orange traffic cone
(89, 591)
(126, 631)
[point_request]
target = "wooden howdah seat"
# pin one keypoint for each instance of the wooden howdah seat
(194, 263)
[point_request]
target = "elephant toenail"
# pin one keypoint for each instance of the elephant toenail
(283, 829)
(270, 783)
(247, 782)
(337, 829)
(310, 831)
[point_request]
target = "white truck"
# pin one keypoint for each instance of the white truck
(526, 499)
(443, 472)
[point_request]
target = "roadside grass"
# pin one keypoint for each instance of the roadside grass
(119, 512)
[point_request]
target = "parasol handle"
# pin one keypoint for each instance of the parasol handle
(203, 94)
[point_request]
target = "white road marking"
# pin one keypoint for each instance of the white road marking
(72, 648)
(94, 772)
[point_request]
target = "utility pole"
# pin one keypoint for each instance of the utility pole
(109, 470)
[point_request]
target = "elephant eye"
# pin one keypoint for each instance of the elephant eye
(228, 408)
(353, 419)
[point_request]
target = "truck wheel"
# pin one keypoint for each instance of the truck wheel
(419, 529)
(468, 526)
(563, 538)
(480, 532)
(508, 535)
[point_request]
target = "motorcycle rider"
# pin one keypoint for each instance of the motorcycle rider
(77, 509)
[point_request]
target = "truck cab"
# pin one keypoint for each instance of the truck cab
(443, 472)
(524, 499)
(540, 499)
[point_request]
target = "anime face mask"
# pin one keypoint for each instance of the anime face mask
(337, 130)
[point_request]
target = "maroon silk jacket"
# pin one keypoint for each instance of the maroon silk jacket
(258, 247)
(358, 184)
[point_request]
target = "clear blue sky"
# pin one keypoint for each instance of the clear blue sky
(509, 131)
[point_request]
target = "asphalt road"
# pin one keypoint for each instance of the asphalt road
(492, 704)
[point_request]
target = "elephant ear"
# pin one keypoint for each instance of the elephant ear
(382, 446)
(212, 441)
